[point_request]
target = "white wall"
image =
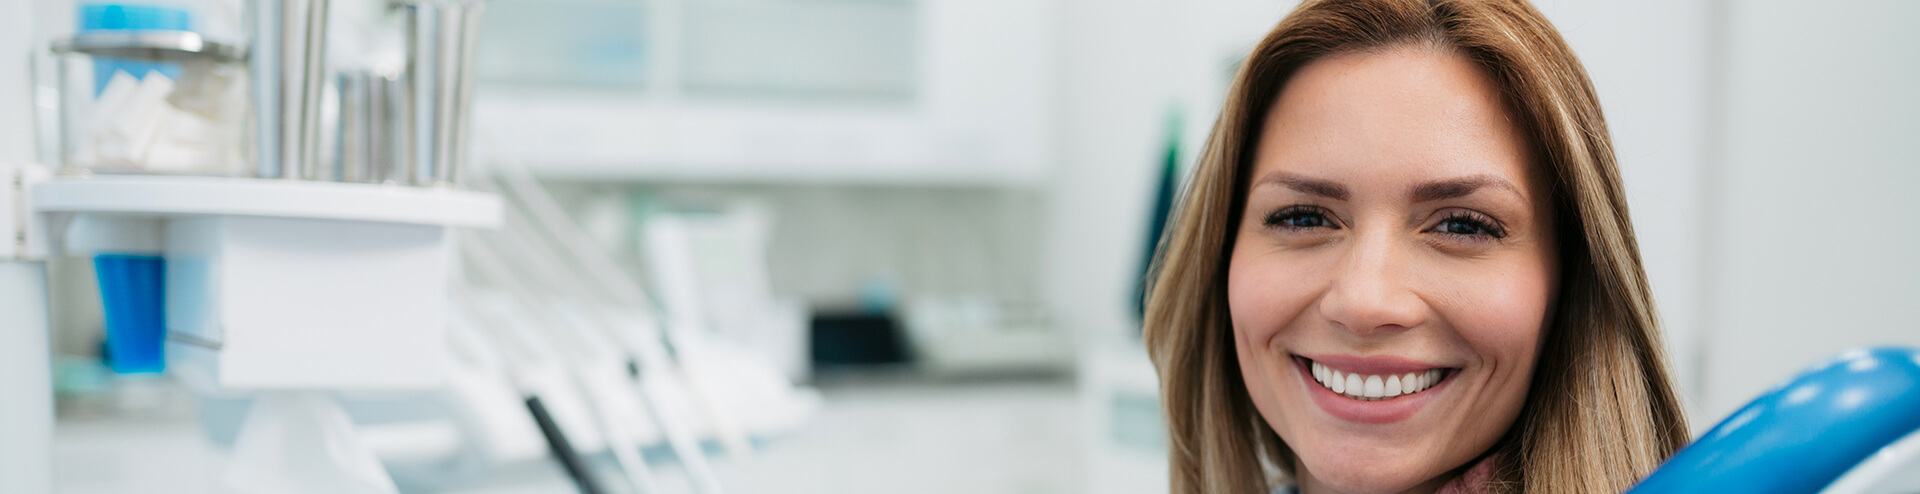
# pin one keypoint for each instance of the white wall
(1112, 97)
(1816, 243)
(1653, 74)
(16, 95)
(26, 418)
(26, 413)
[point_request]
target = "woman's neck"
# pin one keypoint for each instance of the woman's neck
(1311, 485)
(1466, 480)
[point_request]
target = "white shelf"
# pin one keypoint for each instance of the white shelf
(154, 195)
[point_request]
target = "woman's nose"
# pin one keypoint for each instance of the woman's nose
(1370, 292)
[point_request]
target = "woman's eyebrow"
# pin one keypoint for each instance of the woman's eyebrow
(1457, 187)
(1305, 185)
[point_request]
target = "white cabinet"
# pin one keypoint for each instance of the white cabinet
(886, 91)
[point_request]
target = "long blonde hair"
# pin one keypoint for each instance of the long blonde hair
(1601, 412)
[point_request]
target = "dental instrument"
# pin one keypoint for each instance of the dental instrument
(514, 335)
(263, 28)
(594, 268)
(449, 31)
(416, 119)
(313, 75)
(469, 42)
(626, 452)
(657, 373)
(353, 152)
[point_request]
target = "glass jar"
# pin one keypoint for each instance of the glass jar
(151, 101)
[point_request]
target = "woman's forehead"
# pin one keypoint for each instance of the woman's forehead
(1404, 115)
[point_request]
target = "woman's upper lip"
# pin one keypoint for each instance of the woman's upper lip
(1376, 365)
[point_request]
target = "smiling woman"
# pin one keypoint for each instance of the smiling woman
(1405, 264)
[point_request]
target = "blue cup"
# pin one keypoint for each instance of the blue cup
(133, 296)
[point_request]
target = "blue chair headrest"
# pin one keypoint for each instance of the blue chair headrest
(1801, 436)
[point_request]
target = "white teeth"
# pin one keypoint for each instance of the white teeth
(1371, 388)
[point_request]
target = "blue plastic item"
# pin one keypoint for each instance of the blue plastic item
(132, 292)
(1802, 436)
(126, 17)
(114, 16)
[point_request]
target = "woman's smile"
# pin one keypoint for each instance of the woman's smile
(1371, 390)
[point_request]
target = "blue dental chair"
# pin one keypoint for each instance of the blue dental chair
(1848, 425)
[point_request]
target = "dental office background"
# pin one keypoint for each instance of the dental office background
(949, 203)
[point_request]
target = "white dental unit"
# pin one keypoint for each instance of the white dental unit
(287, 289)
(277, 286)
(295, 281)
(284, 289)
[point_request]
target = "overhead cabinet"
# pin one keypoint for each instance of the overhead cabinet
(910, 91)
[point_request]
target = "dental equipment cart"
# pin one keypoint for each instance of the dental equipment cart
(286, 288)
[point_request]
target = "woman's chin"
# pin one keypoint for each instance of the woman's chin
(1369, 474)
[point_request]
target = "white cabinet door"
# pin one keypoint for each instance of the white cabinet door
(908, 91)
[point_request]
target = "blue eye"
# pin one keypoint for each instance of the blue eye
(1299, 218)
(1469, 224)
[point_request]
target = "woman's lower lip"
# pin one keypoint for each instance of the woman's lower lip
(1366, 412)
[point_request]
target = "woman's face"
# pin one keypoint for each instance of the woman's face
(1397, 247)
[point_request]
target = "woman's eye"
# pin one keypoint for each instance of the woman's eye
(1465, 224)
(1299, 218)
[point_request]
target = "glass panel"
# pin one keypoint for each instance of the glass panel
(566, 43)
(831, 49)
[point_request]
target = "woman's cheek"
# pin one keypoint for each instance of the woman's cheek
(1501, 315)
(1512, 313)
(1245, 308)
(1264, 293)
(1506, 307)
